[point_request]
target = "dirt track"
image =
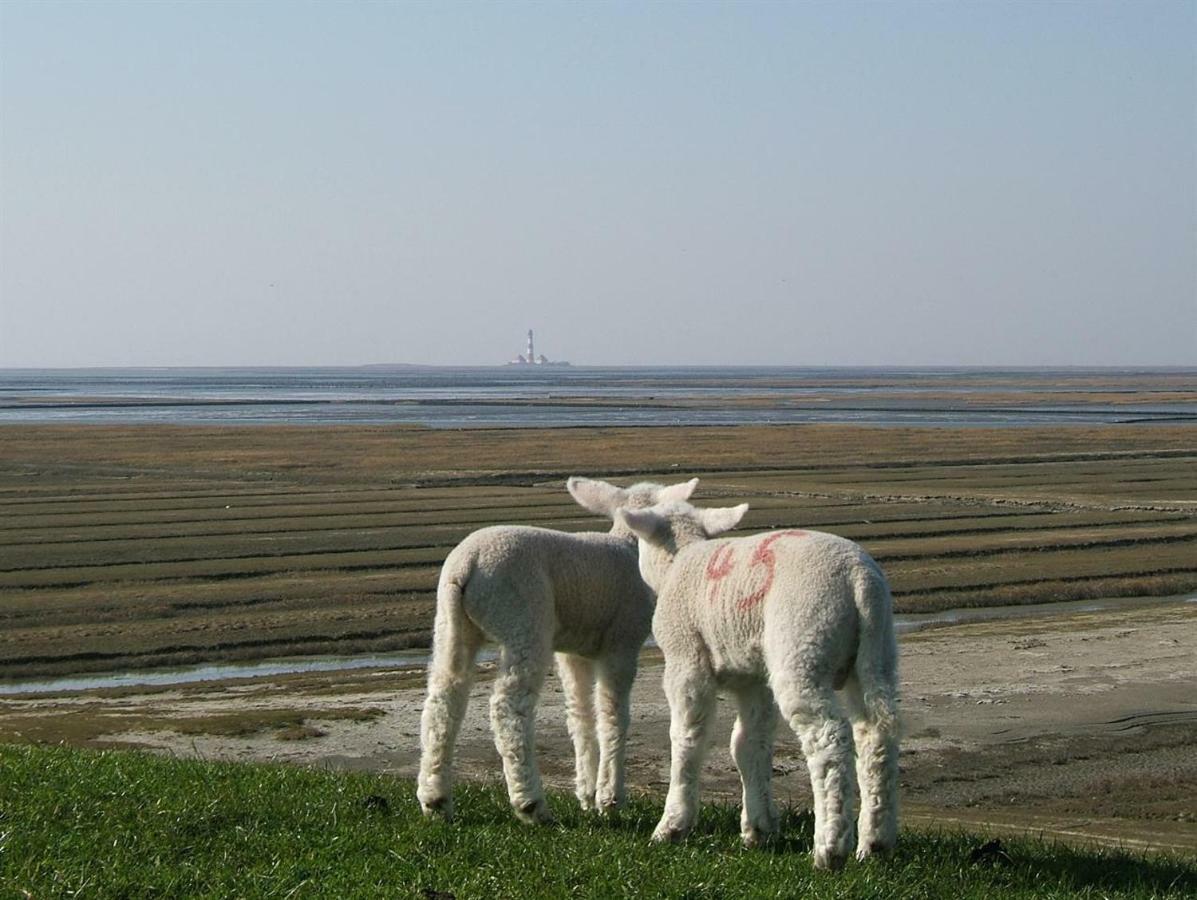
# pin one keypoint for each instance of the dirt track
(1079, 726)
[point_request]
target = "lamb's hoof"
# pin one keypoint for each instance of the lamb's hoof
(535, 812)
(438, 808)
(829, 860)
(586, 801)
(757, 837)
(873, 850)
(668, 834)
(609, 807)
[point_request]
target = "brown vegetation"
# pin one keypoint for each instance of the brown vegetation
(126, 547)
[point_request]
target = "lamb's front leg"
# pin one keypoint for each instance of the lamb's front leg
(613, 690)
(513, 718)
(752, 751)
(690, 690)
(577, 680)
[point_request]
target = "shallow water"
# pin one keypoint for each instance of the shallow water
(418, 658)
(919, 621)
(220, 672)
(502, 397)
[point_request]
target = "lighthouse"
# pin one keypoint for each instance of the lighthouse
(531, 359)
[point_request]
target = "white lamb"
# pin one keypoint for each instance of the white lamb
(534, 591)
(783, 619)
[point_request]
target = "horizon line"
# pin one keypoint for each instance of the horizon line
(1046, 366)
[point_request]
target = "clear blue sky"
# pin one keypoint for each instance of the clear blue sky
(224, 183)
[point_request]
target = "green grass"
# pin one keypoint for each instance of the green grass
(119, 824)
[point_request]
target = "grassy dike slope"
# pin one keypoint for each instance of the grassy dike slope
(119, 824)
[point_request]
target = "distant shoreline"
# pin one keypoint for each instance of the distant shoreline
(1046, 370)
(569, 397)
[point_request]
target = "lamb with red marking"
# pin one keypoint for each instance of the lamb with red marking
(800, 620)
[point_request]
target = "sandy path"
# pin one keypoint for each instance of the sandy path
(1081, 725)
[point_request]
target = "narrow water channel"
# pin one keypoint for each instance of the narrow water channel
(418, 658)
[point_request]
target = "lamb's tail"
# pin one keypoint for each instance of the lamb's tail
(877, 648)
(453, 629)
(876, 727)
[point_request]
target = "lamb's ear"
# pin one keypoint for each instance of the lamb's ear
(647, 524)
(597, 496)
(717, 521)
(677, 491)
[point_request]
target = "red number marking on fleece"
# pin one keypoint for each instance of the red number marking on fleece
(719, 566)
(720, 563)
(763, 556)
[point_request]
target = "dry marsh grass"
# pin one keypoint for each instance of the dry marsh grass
(125, 547)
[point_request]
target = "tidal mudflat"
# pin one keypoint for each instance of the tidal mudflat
(138, 547)
(515, 397)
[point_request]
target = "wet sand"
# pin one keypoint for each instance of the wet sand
(1079, 726)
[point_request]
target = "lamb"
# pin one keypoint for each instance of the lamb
(785, 619)
(535, 592)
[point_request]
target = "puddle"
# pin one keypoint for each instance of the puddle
(918, 621)
(409, 659)
(223, 671)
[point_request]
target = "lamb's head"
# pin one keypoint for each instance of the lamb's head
(607, 499)
(665, 529)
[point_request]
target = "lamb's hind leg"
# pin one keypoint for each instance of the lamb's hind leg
(690, 690)
(810, 707)
(613, 694)
(875, 730)
(521, 672)
(450, 675)
(577, 680)
(752, 751)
